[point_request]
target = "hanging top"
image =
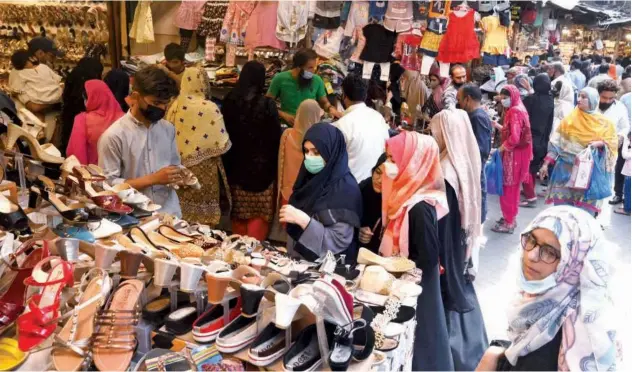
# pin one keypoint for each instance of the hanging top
(439, 9)
(292, 20)
(381, 43)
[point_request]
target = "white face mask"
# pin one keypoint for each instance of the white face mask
(506, 102)
(390, 169)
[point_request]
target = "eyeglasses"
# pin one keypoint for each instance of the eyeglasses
(548, 254)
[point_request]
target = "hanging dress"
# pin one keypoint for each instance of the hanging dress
(143, 25)
(261, 30)
(236, 21)
(459, 44)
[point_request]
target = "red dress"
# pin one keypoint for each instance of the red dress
(459, 44)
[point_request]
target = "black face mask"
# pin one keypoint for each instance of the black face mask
(152, 113)
(604, 106)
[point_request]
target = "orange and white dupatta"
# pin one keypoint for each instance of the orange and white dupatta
(419, 179)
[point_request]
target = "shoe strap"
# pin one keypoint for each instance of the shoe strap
(37, 271)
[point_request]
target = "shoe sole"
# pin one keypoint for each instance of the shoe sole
(206, 337)
(233, 348)
(310, 369)
(334, 299)
(262, 362)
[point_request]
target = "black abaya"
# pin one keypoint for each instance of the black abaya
(540, 106)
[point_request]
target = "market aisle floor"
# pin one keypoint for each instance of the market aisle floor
(499, 265)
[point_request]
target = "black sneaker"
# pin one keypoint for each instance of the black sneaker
(616, 200)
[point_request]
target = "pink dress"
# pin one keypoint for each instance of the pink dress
(261, 30)
(235, 22)
(102, 110)
(189, 14)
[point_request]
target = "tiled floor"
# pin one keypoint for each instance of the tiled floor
(499, 262)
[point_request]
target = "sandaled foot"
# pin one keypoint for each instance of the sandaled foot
(621, 210)
(529, 203)
(504, 228)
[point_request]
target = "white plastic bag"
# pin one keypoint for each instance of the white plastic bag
(582, 170)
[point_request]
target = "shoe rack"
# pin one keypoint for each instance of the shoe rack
(79, 28)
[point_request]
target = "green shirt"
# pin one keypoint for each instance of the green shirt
(285, 88)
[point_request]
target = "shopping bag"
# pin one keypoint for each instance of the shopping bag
(494, 174)
(600, 187)
(582, 170)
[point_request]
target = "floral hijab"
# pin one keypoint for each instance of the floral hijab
(579, 304)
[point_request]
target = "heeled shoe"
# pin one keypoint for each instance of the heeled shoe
(160, 242)
(45, 188)
(130, 263)
(105, 253)
(131, 196)
(149, 255)
(107, 200)
(72, 343)
(12, 302)
(46, 153)
(13, 218)
(42, 311)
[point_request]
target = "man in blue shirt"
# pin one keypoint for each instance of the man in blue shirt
(469, 97)
(576, 76)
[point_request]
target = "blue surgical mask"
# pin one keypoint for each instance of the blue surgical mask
(314, 164)
(307, 75)
(506, 102)
(536, 286)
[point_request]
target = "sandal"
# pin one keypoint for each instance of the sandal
(72, 350)
(381, 321)
(43, 310)
(343, 350)
(11, 357)
(115, 341)
(504, 228)
(621, 210)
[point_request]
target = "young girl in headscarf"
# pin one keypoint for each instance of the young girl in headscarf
(582, 128)
(101, 111)
(516, 148)
(562, 317)
(437, 86)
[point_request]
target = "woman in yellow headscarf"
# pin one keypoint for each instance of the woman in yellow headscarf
(584, 127)
(201, 138)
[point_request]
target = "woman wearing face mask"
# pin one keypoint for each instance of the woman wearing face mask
(523, 83)
(517, 153)
(202, 139)
(101, 111)
(371, 189)
(253, 125)
(540, 107)
(582, 128)
(413, 201)
(326, 206)
(298, 84)
(564, 105)
(291, 148)
(458, 232)
(434, 104)
(562, 318)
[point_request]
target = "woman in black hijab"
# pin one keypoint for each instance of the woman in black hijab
(540, 106)
(73, 96)
(118, 82)
(252, 122)
(371, 189)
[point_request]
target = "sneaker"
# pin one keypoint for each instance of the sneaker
(616, 200)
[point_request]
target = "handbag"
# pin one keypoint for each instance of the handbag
(494, 174)
(582, 170)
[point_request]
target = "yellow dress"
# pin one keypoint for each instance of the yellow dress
(495, 36)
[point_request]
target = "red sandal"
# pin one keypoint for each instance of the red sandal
(39, 321)
(12, 302)
(107, 200)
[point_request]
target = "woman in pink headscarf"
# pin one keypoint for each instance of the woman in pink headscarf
(516, 148)
(102, 110)
(437, 85)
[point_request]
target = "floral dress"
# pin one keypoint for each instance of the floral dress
(235, 22)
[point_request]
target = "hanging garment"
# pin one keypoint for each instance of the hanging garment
(439, 9)
(377, 10)
(358, 16)
(379, 42)
(328, 44)
(143, 25)
(430, 43)
(212, 18)
(260, 31)
(359, 41)
(292, 21)
(189, 14)
(399, 16)
(327, 14)
(495, 36)
(459, 44)
(406, 51)
(236, 21)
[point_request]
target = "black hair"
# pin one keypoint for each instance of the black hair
(20, 58)
(574, 56)
(455, 66)
(354, 88)
(505, 92)
(302, 57)
(607, 59)
(555, 89)
(527, 56)
(576, 64)
(152, 81)
(472, 91)
(626, 73)
(596, 59)
(603, 68)
(608, 85)
(174, 51)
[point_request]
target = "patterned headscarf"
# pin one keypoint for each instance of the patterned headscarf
(579, 304)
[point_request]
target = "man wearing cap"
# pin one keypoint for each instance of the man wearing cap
(44, 49)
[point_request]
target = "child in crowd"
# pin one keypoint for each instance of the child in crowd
(37, 86)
